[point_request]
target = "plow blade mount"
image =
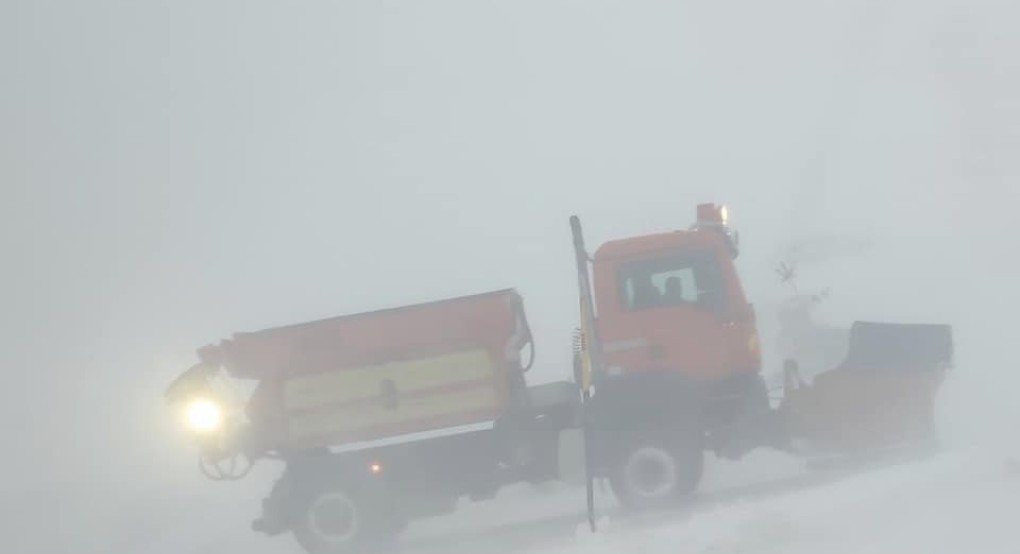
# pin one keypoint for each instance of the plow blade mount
(881, 396)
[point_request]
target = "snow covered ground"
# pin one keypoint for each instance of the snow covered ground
(951, 502)
(956, 502)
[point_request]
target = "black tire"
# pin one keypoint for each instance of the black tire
(339, 520)
(650, 475)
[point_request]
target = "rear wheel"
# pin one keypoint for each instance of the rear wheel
(652, 475)
(339, 520)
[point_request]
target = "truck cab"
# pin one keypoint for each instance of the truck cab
(675, 363)
(673, 302)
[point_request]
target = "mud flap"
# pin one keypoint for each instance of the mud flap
(881, 396)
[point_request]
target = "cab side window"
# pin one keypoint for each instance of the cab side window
(676, 280)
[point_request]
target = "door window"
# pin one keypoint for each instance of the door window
(691, 279)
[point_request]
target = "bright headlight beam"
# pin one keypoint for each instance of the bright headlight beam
(204, 416)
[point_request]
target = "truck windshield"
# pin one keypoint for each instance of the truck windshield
(676, 279)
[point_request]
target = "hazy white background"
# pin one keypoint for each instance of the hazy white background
(171, 172)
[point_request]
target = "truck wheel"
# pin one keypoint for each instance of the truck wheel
(653, 476)
(338, 520)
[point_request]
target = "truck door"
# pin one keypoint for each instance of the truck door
(663, 312)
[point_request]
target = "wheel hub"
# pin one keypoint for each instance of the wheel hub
(333, 517)
(651, 473)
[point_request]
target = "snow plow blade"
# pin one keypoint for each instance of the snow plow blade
(882, 396)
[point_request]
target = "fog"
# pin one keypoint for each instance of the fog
(172, 172)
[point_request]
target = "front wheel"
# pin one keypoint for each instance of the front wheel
(339, 520)
(651, 475)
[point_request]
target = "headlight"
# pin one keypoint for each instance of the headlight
(203, 416)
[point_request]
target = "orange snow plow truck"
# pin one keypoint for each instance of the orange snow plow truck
(384, 417)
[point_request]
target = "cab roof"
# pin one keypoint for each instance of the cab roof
(647, 244)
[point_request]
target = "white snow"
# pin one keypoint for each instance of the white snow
(955, 502)
(949, 503)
